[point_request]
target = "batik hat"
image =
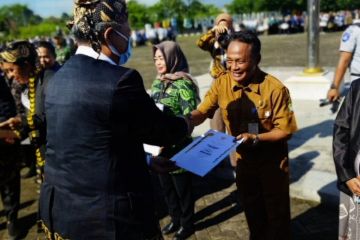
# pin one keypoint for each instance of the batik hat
(90, 16)
(18, 51)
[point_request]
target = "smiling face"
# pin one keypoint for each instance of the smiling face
(240, 61)
(14, 71)
(46, 58)
(159, 61)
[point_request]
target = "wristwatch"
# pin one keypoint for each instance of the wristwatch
(256, 140)
(332, 86)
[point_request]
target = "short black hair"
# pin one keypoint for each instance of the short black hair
(48, 45)
(247, 37)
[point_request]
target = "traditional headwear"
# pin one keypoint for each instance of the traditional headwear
(19, 51)
(90, 16)
(224, 17)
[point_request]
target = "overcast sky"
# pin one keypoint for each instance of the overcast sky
(47, 8)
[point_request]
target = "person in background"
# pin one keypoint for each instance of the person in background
(257, 109)
(97, 183)
(27, 151)
(63, 52)
(346, 154)
(349, 58)
(20, 63)
(176, 93)
(47, 55)
(9, 163)
(47, 59)
(214, 42)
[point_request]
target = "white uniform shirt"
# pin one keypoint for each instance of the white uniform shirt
(350, 42)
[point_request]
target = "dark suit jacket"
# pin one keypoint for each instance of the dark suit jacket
(8, 153)
(97, 184)
(346, 143)
(7, 103)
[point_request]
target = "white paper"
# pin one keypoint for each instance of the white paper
(152, 149)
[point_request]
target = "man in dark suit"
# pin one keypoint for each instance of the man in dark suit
(97, 183)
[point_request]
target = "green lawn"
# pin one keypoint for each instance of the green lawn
(277, 51)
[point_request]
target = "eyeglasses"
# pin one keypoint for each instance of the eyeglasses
(237, 62)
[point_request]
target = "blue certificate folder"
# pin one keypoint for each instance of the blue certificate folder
(205, 152)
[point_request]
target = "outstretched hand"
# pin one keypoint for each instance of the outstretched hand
(11, 123)
(162, 165)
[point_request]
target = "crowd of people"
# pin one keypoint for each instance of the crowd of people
(87, 118)
(261, 23)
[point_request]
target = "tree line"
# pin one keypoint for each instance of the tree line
(286, 6)
(18, 21)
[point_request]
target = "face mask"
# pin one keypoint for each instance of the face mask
(123, 57)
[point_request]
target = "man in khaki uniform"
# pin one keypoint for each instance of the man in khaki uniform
(255, 106)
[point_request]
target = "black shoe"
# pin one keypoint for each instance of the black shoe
(170, 228)
(183, 233)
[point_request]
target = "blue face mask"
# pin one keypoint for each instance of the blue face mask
(123, 57)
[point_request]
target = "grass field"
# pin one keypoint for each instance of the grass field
(277, 51)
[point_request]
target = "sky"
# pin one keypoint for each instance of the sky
(47, 8)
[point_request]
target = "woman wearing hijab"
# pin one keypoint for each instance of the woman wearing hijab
(175, 93)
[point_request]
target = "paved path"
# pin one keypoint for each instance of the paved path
(218, 215)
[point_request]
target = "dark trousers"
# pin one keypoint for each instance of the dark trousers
(264, 194)
(10, 196)
(178, 195)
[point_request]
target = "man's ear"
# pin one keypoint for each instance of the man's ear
(111, 37)
(107, 35)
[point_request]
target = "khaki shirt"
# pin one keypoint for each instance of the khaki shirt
(259, 107)
(207, 43)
